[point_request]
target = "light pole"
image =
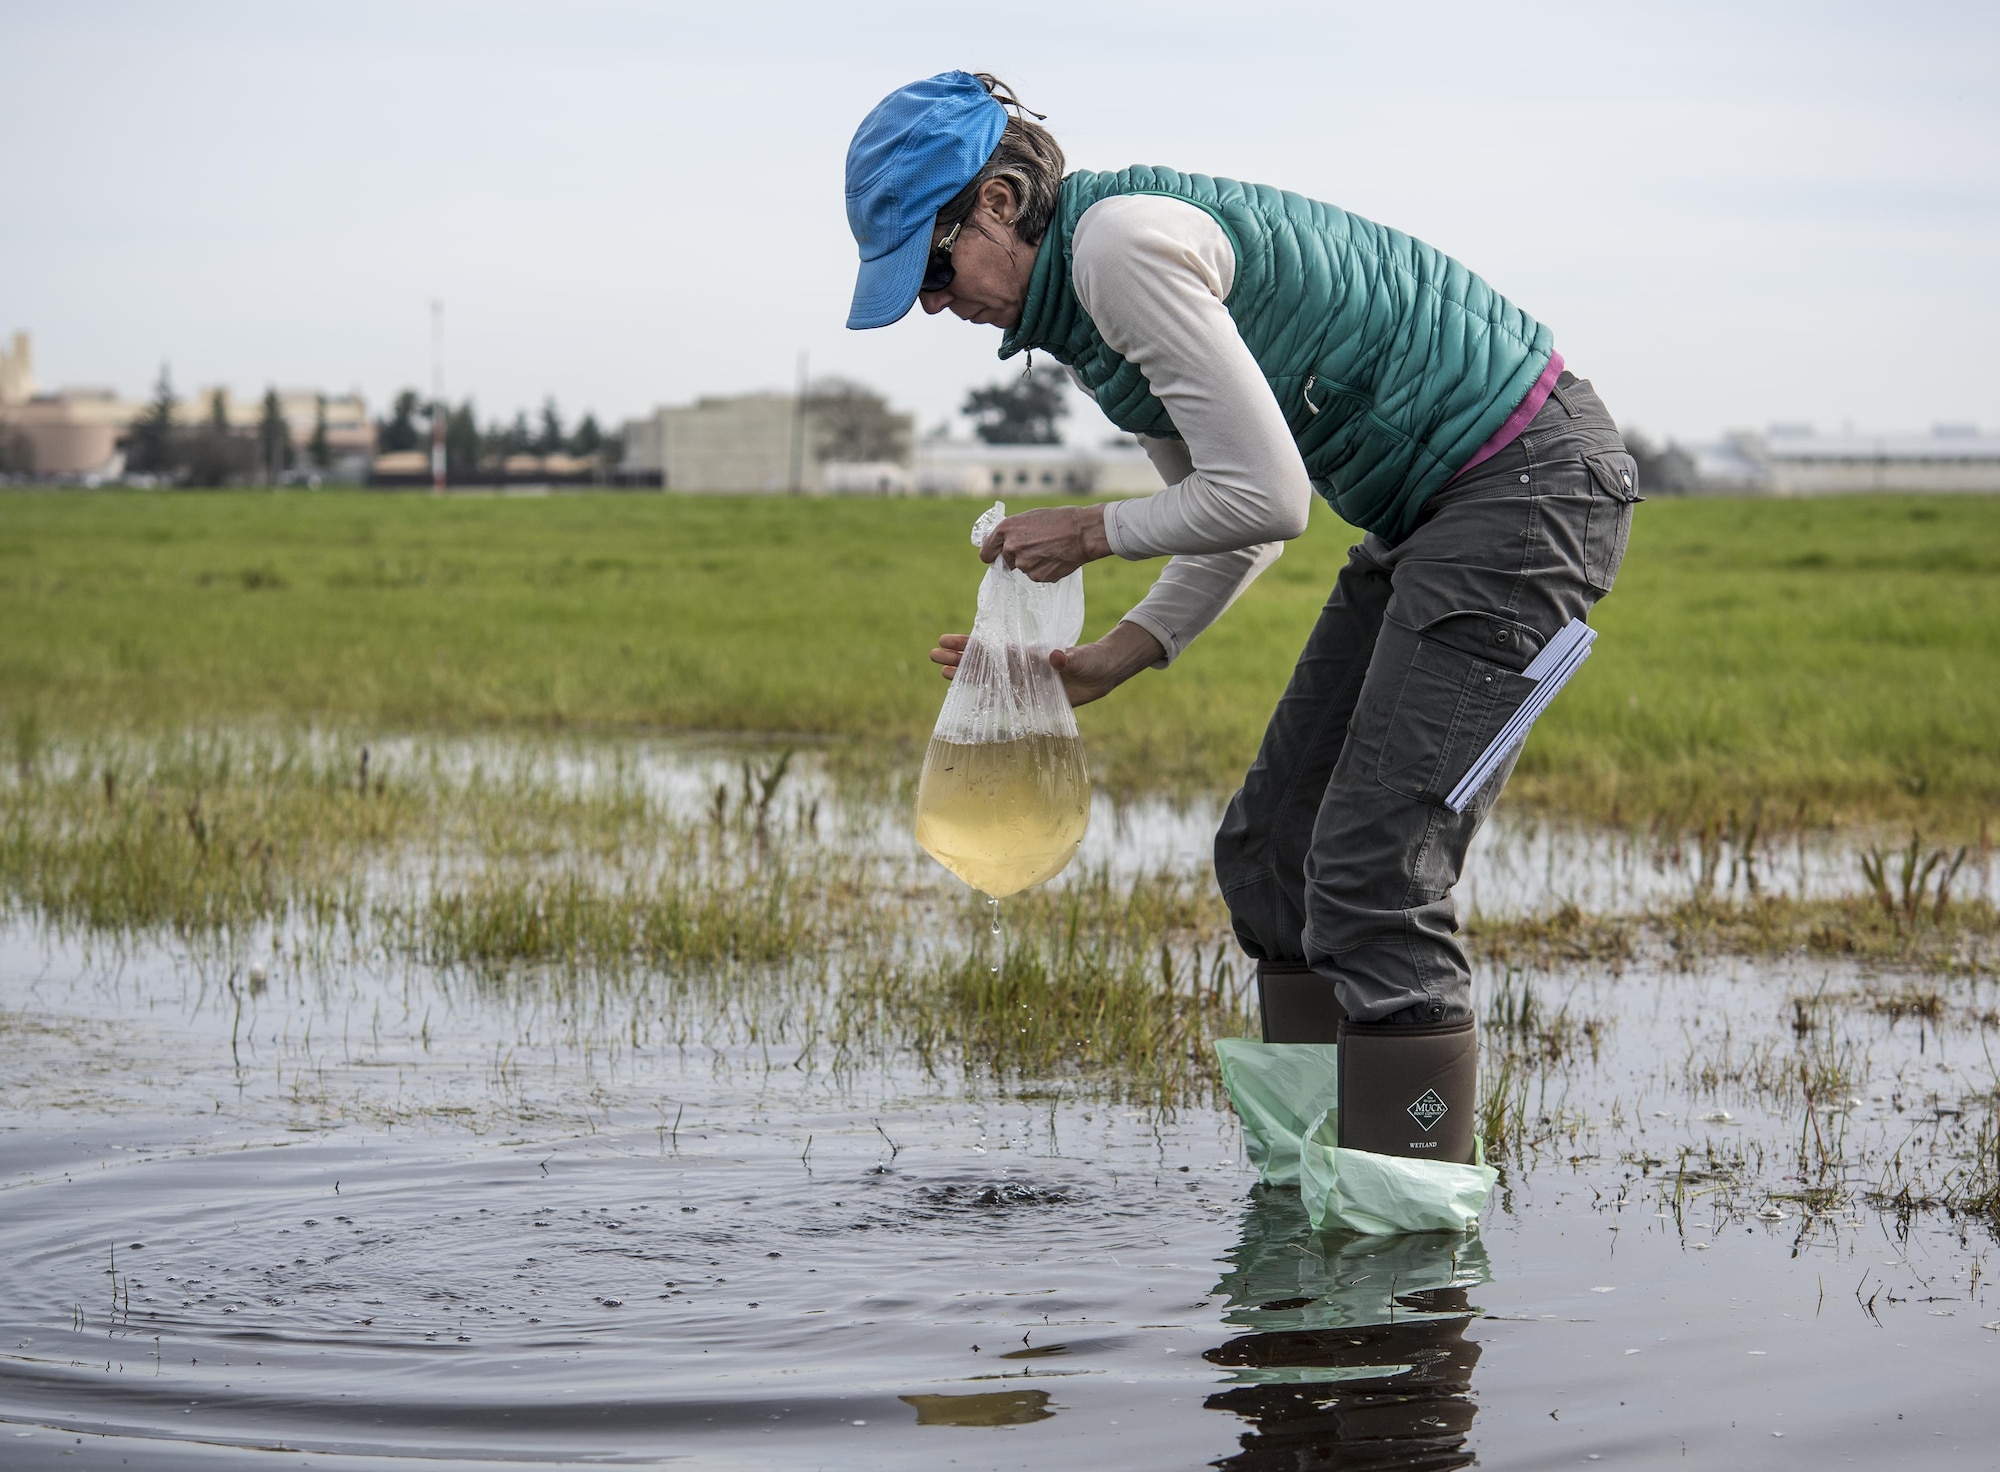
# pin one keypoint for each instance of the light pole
(796, 481)
(437, 398)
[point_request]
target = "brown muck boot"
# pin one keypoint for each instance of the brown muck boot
(1297, 1004)
(1409, 1091)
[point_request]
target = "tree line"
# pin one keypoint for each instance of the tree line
(467, 447)
(207, 450)
(854, 421)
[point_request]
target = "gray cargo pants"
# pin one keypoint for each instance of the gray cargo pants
(1338, 850)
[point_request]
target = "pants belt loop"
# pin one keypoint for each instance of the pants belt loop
(1556, 393)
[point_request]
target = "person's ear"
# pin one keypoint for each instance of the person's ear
(997, 198)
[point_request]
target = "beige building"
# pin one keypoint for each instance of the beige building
(74, 433)
(349, 430)
(17, 370)
(751, 443)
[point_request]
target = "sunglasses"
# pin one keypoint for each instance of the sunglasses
(937, 270)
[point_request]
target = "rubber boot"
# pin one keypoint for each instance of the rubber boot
(1297, 1004)
(1409, 1091)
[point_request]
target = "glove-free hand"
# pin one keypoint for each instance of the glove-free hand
(1089, 671)
(1049, 543)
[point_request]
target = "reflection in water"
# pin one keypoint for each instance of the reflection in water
(1355, 1352)
(992, 1408)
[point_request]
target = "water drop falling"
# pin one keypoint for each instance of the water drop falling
(994, 901)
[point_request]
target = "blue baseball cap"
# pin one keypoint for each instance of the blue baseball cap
(920, 146)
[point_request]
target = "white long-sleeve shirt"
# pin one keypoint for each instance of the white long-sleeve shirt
(1153, 273)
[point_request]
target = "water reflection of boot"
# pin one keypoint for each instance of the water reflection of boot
(1354, 1352)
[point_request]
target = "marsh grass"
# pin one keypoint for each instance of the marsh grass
(1952, 1168)
(501, 921)
(195, 836)
(755, 918)
(1518, 1020)
(1503, 1106)
(1566, 935)
(1097, 980)
(1113, 988)
(1960, 938)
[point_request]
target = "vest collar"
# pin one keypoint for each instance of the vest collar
(1050, 314)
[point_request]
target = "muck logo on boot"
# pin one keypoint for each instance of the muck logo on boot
(1428, 1110)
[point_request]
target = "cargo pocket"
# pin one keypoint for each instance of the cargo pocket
(1614, 488)
(1460, 686)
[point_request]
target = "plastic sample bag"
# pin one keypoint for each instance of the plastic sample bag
(1359, 1191)
(1280, 1090)
(1005, 797)
(1284, 1094)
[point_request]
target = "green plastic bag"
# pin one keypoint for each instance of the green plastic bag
(1279, 1090)
(1284, 1094)
(1357, 1191)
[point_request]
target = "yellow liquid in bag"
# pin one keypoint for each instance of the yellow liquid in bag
(1003, 815)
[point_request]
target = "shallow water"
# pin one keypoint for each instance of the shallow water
(364, 1214)
(1519, 863)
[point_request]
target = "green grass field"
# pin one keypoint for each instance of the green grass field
(1828, 660)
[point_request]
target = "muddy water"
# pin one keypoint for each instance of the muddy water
(357, 1214)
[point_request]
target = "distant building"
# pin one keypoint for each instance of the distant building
(75, 433)
(17, 371)
(1792, 460)
(958, 468)
(350, 433)
(757, 444)
(866, 478)
(72, 434)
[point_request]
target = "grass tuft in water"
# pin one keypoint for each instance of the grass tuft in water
(1518, 1020)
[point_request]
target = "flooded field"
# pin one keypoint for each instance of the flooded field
(650, 1104)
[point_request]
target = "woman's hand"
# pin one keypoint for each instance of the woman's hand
(1089, 671)
(1050, 543)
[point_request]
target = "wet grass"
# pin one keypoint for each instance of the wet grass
(1092, 982)
(1929, 927)
(1518, 1020)
(754, 917)
(1964, 938)
(767, 912)
(194, 836)
(1807, 662)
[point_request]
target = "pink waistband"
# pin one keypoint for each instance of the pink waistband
(1524, 413)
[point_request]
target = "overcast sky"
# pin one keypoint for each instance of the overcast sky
(1729, 214)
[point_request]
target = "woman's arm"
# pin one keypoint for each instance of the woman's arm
(1193, 592)
(1154, 273)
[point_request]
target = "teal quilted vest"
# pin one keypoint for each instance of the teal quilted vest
(1391, 361)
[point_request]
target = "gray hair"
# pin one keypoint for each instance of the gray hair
(1027, 157)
